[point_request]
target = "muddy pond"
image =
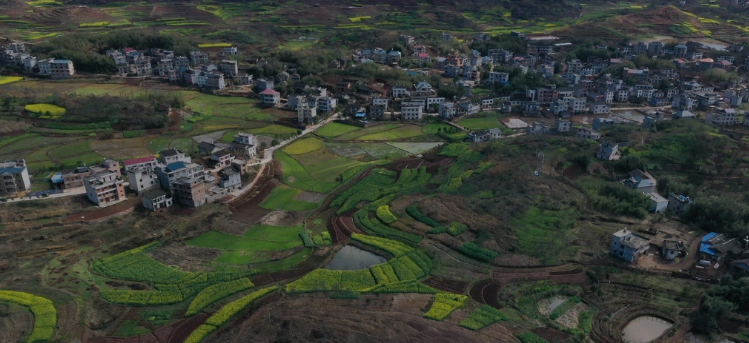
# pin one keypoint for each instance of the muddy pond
(644, 329)
(353, 258)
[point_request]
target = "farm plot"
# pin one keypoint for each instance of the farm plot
(403, 132)
(274, 130)
(259, 238)
(368, 131)
(345, 149)
(170, 285)
(45, 315)
(283, 198)
(188, 145)
(543, 233)
(482, 123)
(333, 130)
(122, 148)
(232, 107)
(315, 171)
(46, 111)
(303, 146)
(415, 147)
(9, 79)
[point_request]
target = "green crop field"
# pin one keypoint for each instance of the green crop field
(333, 130)
(489, 122)
(316, 171)
(274, 130)
(353, 135)
(71, 150)
(259, 238)
(282, 198)
(186, 145)
(303, 146)
(434, 129)
(408, 131)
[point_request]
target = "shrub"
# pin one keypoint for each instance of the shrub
(530, 337)
(472, 250)
(414, 212)
(217, 292)
(455, 229)
(308, 242)
(133, 134)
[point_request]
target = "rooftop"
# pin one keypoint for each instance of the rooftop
(138, 160)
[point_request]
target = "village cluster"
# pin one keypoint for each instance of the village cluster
(160, 181)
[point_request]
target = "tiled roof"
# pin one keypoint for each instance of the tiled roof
(138, 160)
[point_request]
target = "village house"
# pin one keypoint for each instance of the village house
(721, 116)
(414, 113)
(658, 204)
(147, 163)
(678, 203)
(628, 246)
(156, 199)
(684, 115)
(423, 89)
(105, 188)
(563, 125)
(56, 69)
(247, 143)
(189, 191)
(14, 176)
(716, 247)
(608, 151)
(306, 112)
(270, 97)
(640, 181)
(230, 179)
(485, 135)
(447, 110)
(220, 159)
(171, 172)
(172, 155)
(670, 250)
(587, 133)
(141, 179)
(207, 148)
(538, 129)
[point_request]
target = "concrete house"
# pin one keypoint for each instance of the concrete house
(306, 112)
(170, 173)
(447, 110)
(716, 247)
(608, 151)
(563, 125)
(587, 133)
(230, 179)
(640, 181)
(400, 92)
(56, 69)
(14, 177)
(142, 179)
(658, 204)
(485, 135)
(678, 203)
(229, 68)
(538, 129)
(105, 188)
(247, 143)
(170, 156)
(599, 108)
(156, 199)
(423, 89)
(628, 246)
(269, 97)
(412, 112)
(721, 117)
(148, 163)
(672, 249)
(189, 191)
(220, 159)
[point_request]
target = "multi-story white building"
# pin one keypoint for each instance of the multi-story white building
(326, 104)
(57, 69)
(576, 105)
(269, 97)
(229, 67)
(447, 110)
(140, 179)
(496, 78)
(599, 108)
(721, 117)
(14, 177)
(306, 113)
(156, 199)
(412, 113)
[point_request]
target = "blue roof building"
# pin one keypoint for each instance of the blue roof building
(715, 246)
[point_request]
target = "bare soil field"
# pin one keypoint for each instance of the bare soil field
(315, 317)
(122, 148)
(284, 218)
(186, 257)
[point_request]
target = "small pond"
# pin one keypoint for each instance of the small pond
(353, 258)
(645, 329)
